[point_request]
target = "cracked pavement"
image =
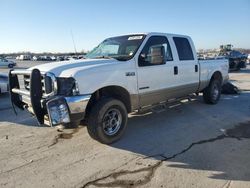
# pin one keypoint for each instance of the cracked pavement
(234, 133)
(190, 145)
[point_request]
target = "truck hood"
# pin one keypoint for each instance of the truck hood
(67, 68)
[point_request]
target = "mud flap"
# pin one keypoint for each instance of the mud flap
(36, 95)
(14, 97)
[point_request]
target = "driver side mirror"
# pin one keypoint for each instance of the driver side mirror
(143, 57)
(157, 54)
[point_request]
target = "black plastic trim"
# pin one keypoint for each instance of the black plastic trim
(36, 95)
(175, 70)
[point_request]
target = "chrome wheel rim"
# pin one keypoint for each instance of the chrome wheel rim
(112, 121)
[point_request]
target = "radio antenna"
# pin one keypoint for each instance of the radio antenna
(73, 40)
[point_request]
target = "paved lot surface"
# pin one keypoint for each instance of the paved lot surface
(191, 145)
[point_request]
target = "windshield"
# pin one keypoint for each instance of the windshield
(121, 48)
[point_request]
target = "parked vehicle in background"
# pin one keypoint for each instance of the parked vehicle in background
(248, 58)
(6, 63)
(9, 57)
(60, 58)
(81, 57)
(4, 86)
(41, 58)
(25, 57)
(44, 58)
(123, 74)
(67, 58)
(74, 57)
(53, 58)
(237, 60)
(48, 58)
(34, 58)
(70, 58)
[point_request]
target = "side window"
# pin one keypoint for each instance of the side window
(156, 52)
(183, 48)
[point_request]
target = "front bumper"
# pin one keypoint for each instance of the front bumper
(39, 104)
(66, 109)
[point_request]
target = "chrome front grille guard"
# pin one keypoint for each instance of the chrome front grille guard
(40, 103)
(35, 92)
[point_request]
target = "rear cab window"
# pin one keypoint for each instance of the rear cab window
(183, 48)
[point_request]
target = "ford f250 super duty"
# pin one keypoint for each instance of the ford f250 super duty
(121, 75)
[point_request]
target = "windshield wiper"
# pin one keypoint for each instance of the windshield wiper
(102, 57)
(121, 57)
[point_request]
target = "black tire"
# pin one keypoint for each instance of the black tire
(211, 94)
(115, 115)
(10, 66)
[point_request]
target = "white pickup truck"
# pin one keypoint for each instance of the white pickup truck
(121, 75)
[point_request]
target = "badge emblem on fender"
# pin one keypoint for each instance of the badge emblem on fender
(130, 73)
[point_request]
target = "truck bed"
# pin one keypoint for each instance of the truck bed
(207, 68)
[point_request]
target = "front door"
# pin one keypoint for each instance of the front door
(155, 72)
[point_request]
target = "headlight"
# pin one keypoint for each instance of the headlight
(58, 111)
(66, 86)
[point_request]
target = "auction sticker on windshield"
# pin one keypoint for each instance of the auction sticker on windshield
(135, 38)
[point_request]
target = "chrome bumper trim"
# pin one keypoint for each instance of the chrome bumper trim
(20, 92)
(77, 104)
(21, 72)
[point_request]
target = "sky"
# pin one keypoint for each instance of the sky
(46, 25)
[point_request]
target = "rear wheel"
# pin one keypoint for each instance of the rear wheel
(107, 120)
(211, 94)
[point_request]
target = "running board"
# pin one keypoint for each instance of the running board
(162, 106)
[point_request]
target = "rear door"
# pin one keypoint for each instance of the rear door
(187, 66)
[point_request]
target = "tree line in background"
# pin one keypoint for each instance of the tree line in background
(83, 52)
(15, 54)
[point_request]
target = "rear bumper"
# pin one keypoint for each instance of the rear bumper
(36, 102)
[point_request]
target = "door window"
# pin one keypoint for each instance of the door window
(156, 52)
(183, 48)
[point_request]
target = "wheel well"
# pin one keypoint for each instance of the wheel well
(217, 75)
(116, 92)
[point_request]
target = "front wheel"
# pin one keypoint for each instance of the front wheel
(107, 120)
(211, 94)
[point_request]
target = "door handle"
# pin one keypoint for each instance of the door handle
(175, 70)
(196, 68)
